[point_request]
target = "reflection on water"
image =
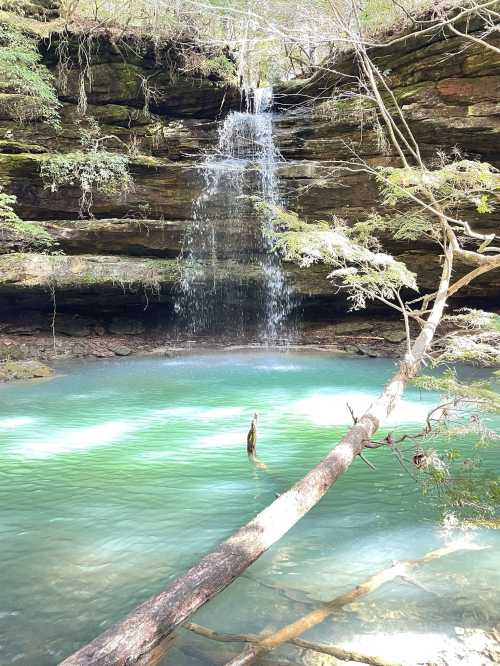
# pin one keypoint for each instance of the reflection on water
(118, 475)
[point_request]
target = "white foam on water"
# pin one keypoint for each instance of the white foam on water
(187, 412)
(80, 396)
(220, 413)
(221, 440)
(325, 409)
(71, 441)
(173, 412)
(413, 647)
(16, 421)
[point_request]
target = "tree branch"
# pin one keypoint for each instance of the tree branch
(292, 631)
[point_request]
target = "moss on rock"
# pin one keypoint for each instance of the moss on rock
(14, 369)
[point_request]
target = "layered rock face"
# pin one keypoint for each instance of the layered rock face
(123, 261)
(449, 91)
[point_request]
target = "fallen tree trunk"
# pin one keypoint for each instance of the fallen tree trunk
(331, 650)
(126, 642)
(291, 632)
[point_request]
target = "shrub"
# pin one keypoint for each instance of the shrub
(22, 235)
(22, 73)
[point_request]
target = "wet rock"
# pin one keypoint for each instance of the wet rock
(27, 323)
(161, 351)
(394, 336)
(372, 352)
(11, 370)
(352, 327)
(352, 349)
(102, 353)
(74, 326)
(121, 350)
(126, 326)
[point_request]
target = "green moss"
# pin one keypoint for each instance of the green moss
(93, 171)
(147, 161)
(22, 165)
(408, 93)
(20, 234)
(21, 72)
(112, 83)
(18, 147)
(13, 369)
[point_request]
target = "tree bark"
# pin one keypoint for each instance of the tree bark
(128, 641)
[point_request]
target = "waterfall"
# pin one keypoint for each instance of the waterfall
(232, 281)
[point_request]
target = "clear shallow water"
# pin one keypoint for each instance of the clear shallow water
(116, 476)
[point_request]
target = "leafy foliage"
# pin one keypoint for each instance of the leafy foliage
(21, 72)
(94, 171)
(24, 235)
(447, 384)
(476, 340)
(210, 64)
(455, 474)
(454, 182)
(401, 226)
(470, 318)
(364, 273)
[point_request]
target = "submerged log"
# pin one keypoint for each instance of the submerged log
(331, 650)
(126, 642)
(213, 654)
(291, 632)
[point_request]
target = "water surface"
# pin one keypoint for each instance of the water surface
(117, 475)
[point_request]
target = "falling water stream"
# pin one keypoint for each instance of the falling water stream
(232, 280)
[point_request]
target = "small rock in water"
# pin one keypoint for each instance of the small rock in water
(121, 350)
(352, 349)
(10, 370)
(370, 351)
(103, 353)
(160, 351)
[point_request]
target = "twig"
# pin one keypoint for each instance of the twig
(351, 411)
(367, 462)
(333, 650)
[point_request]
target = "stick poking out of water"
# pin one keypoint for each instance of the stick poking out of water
(252, 437)
(252, 444)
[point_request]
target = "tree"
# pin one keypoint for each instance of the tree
(366, 272)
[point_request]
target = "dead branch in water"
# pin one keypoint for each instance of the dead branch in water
(292, 631)
(252, 438)
(331, 650)
(252, 444)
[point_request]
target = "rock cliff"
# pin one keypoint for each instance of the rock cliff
(122, 261)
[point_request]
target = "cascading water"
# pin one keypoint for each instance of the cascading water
(232, 280)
